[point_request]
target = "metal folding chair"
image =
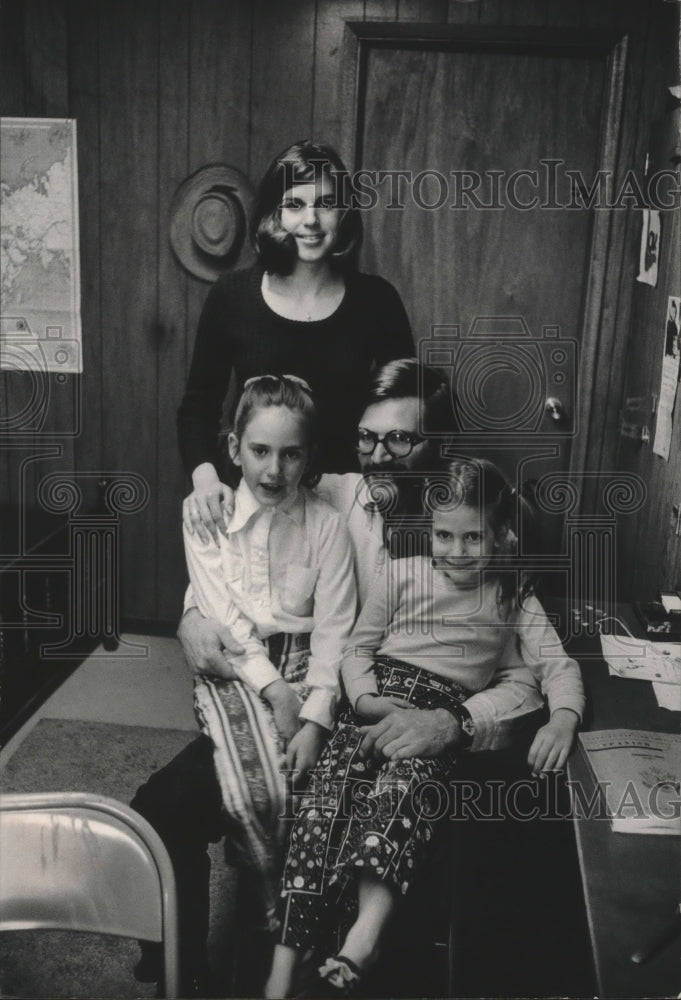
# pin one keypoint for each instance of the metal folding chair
(73, 861)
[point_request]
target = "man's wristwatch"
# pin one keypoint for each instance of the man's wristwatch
(466, 724)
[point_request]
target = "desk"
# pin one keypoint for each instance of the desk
(632, 882)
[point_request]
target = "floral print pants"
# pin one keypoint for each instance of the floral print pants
(372, 815)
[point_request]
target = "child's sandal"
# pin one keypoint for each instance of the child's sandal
(342, 975)
(337, 977)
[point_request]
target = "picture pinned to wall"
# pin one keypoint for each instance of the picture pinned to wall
(669, 378)
(672, 347)
(650, 247)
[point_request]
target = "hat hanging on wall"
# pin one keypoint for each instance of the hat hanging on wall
(209, 221)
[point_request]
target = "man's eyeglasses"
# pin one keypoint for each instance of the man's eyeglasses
(399, 444)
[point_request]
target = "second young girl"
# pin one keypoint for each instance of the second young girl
(430, 635)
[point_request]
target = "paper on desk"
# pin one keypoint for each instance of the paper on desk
(642, 661)
(668, 696)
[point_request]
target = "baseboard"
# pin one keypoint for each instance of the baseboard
(149, 626)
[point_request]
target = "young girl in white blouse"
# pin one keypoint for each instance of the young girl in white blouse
(282, 580)
(429, 636)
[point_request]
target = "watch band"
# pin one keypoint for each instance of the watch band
(466, 724)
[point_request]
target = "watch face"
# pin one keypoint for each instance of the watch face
(468, 727)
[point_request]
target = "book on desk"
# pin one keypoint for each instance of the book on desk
(638, 774)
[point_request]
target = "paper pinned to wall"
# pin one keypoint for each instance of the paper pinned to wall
(650, 247)
(665, 410)
(669, 379)
(40, 328)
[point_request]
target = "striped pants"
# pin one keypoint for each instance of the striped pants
(223, 784)
(249, 755)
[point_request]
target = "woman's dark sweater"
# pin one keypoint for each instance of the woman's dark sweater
(238, 332)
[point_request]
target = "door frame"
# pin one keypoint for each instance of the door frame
(594, 446)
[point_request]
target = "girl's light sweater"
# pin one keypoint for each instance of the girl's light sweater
(415, 613)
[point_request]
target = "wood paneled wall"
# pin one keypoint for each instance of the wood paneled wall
(160, 88)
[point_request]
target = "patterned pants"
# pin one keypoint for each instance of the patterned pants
(248, 753)
(360, 816)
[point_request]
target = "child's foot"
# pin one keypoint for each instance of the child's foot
(337, 977)
(361, 948)
(341, 974)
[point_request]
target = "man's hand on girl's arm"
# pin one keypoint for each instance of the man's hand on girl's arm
(553, 742)
(207, 645)
(419, 733)
(211, 504)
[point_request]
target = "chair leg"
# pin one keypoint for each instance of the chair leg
(171, 951)
(171, 972)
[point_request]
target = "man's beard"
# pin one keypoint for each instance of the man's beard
(394, 488)
(397, 493)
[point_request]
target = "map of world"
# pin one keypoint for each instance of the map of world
(40, 286)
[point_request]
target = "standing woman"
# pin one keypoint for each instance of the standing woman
(303, 309)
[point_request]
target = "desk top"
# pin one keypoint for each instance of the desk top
(632, 882)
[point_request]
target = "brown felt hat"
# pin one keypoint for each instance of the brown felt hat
(209, 221)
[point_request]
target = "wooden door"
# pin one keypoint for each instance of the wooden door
(498, 256)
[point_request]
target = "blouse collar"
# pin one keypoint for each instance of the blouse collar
(246, 507)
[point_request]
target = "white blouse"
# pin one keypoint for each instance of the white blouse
(288, 569)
